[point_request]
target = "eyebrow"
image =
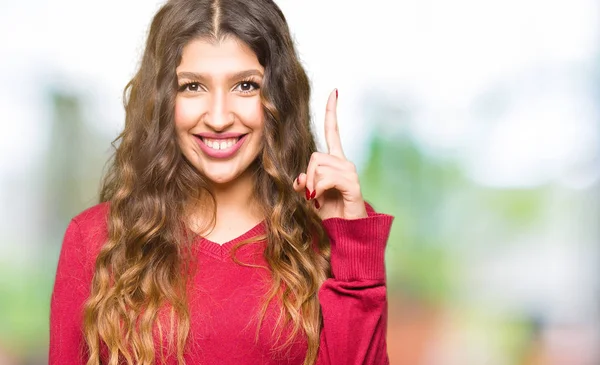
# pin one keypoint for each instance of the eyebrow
(200, 76)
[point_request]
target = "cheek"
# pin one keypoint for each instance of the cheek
(251, 111)
(186, 114)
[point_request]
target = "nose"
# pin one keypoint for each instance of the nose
(218, 117)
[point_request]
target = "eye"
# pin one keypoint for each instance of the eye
(190, 86)
(246, 87)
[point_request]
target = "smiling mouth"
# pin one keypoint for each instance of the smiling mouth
(220, 144)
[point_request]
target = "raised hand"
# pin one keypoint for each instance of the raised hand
(331, 181)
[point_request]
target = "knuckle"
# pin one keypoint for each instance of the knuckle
(352, 166)
(353, 180)
(318, 171)
(314, 156)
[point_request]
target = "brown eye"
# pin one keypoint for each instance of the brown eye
(190, 86)
(247, 86)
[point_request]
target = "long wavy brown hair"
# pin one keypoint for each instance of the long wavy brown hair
(151, 187)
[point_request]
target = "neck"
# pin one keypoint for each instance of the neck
(235, 204)
(235, 198)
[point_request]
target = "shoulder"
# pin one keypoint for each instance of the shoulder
(83, 238)
(93, 216)
(91, 226)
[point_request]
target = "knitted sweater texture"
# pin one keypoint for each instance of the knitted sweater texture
(224, 297)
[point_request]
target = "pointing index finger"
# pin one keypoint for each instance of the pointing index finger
(332, 134)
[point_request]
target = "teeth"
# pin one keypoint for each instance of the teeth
(220, 144)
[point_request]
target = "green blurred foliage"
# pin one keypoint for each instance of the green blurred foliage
(439, 212)
(400, 180)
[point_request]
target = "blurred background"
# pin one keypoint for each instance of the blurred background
(475, 123)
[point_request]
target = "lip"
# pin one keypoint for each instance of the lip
(226, 153)
(220, 135)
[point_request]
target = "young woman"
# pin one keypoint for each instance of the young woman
(222, 236)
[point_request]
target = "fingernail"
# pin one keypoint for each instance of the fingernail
(336, 94)
(307, 193)
(317, 205)
(314, 193)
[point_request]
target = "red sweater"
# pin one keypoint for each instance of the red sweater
(224, 297)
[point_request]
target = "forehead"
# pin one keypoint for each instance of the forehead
(223, 56)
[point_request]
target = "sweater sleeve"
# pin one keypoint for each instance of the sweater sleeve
(354, 300)
(71, 289)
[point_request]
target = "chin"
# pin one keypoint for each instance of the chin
(220, 180)
(222, 177)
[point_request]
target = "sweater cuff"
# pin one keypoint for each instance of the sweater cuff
(358, 246)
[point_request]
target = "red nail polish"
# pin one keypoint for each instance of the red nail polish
(317, 205)
(336, 94)
(314, 193)
(307, 193)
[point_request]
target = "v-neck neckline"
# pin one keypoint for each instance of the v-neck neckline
(221, 251)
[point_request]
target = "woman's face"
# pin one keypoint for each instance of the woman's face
(218, 112)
